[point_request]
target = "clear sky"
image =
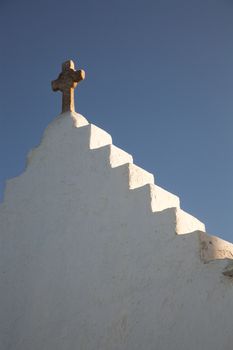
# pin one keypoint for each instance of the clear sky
(159, 79)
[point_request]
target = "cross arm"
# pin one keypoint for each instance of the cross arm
(78, 75)
(55, 84)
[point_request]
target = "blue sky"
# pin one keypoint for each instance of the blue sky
(159, 79)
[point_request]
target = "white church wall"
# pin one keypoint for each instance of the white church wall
(95, 256)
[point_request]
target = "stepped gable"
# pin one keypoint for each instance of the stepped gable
(96, 256)
(136, 179)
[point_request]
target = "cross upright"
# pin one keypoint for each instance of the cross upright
(66, 83)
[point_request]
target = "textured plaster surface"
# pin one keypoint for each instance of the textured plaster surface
(95, 256)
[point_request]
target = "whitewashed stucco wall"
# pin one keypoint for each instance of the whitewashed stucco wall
(95, 256)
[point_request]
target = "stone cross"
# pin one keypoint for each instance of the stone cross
(66, 83)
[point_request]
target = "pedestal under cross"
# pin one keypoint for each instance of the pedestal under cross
(66, 83)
